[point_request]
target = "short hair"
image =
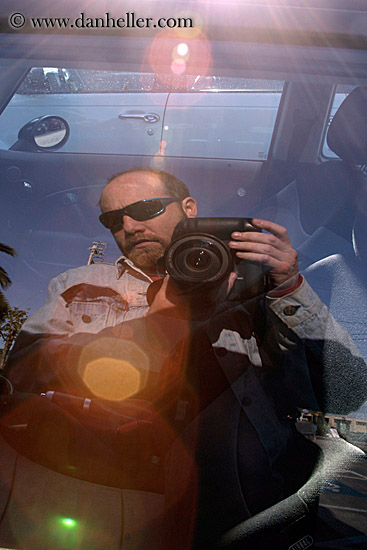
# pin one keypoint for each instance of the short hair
(174, 186)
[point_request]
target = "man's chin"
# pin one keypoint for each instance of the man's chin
(146, 257)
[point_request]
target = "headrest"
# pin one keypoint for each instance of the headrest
(347, 135)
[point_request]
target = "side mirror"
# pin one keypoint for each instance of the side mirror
(45, 133)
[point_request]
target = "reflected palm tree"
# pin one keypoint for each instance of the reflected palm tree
(4, 279)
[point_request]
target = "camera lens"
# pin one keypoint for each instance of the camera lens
(198, 260)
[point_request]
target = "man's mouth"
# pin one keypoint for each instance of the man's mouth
(141, 243)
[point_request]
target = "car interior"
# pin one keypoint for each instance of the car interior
(302, 166)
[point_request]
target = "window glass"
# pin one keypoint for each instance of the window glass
(52, 80)
(220, 117)
(341, 92)
(214, 133)
(135, 113)
(49, 80)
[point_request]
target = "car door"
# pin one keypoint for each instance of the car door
(222, 117)
(108, 112)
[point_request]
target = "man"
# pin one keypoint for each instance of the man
(91, 298)
(240, 379)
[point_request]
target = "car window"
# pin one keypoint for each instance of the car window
(143, 113)
(196, 124)
(238, 414)
(51, 80)
(107, 112)
(341, 92)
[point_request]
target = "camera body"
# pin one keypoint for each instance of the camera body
(199, 255)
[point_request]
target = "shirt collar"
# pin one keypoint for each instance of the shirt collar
(122, 264)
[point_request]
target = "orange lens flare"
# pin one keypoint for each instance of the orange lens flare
(172, 55)
(111, 379)
(114, 369)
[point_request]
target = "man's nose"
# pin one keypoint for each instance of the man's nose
(131, 225)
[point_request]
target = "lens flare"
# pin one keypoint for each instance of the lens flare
(181, 53)
(112, 379)
(113, 368)
(178, 66)
(64, 531)
(158, 161)
(182, 49)
(172, 55)
(69, 523)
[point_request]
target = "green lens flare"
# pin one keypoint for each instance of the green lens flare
(68, 522)
(64, 532)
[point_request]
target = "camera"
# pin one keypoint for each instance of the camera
(199, 255)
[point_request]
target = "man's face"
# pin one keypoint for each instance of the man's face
(144, 242)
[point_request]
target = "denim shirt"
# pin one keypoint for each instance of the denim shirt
(91, 298)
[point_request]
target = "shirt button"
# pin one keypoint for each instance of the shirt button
(290, 310)
(221, 352)
(86, 319)
(246, 401)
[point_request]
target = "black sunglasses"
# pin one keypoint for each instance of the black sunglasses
(140, 211)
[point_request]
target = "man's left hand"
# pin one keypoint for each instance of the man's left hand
(273, 249)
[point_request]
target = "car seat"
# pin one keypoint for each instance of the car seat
(315, 206)
(340, 276)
